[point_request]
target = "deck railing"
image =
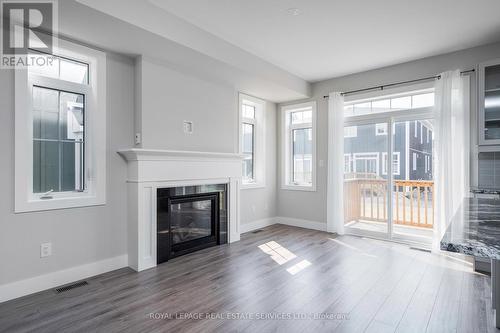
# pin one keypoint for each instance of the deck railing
(366, 200)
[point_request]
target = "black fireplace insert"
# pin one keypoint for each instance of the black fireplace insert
(189, 219)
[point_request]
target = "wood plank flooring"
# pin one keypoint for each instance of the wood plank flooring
(280, 279)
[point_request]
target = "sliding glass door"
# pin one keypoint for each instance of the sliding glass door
(413, 184)
(366, 197)
(388, 177)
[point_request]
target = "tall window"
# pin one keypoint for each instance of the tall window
(299, 135)
(60, 107)
(252, 140)
(58, 139)
(248, 142)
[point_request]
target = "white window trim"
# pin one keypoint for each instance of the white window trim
(384, 165)
(414, 164)
(95, 133)
(259, 155)
(286, 157)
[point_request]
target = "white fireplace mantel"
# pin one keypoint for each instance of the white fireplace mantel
(150, 169)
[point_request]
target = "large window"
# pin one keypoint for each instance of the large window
(252, 141)
(299, 151)
(60, 130)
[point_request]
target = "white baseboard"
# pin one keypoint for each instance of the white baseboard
(254, 225)
(301, 223)
(51, 280)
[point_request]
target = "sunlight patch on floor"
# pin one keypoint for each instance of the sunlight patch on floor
(277, 252)
(282, 255)
(352, 247)
(298, 267)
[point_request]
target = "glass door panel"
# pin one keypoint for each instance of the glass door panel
(413, 185)
(366, 203)
(492, 102)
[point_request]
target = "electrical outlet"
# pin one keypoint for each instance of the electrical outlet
(45, 250)
(188, 127)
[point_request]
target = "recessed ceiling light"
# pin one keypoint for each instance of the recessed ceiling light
(293, 11)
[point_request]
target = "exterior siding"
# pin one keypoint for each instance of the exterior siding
(370, 145)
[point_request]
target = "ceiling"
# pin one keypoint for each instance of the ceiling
(331, 38)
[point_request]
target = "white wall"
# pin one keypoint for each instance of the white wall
(82, 235)
(169, 97)
(312, 205)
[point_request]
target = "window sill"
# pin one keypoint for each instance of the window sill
(311, 188)
(36, 205)
(249, 186)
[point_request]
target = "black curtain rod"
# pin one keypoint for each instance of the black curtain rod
(382, 87)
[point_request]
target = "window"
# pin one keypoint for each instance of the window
(366, 164)
(60, 143)
(395, 164)
(395, 102)
(350, 131)
(299, 146)
(414, 161)
(252, 141)
(381, 129)
(415, 130)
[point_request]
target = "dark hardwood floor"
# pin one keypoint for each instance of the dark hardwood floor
(356, 284)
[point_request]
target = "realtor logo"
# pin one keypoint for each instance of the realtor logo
(27, 26)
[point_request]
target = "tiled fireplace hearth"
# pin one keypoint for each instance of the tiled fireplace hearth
(153, 171)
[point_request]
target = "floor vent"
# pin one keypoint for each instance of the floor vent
(257, 231)
(70, 287)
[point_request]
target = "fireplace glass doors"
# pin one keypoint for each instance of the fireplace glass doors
(189, 221)
(193, 217)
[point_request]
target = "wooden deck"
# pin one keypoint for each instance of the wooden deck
(368, 285)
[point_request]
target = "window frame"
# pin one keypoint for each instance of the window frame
(287, 145)
(259, 139)
(366, 156)
(384, 163)
(94, 134)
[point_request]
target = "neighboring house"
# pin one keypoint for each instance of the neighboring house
(365, 150)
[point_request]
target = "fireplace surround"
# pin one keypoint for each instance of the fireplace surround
(150, 170)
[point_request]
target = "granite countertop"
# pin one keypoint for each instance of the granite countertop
(475, 229)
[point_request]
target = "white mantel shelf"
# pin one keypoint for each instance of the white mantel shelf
(138, 154)
(151, 169)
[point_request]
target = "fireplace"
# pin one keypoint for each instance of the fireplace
(153, 172)
(190, 218)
